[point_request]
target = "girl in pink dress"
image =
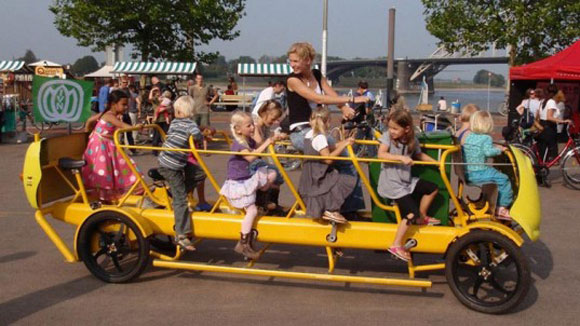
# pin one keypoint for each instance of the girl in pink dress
(106, 170)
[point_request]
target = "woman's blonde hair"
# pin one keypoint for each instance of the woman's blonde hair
(481, 122)
(467, 111)
(270, 106)
(304, 50)
(239, 117)
(184, 105)
(404, 119)
(318, 120)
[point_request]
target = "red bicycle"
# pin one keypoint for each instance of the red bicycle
(568, 158)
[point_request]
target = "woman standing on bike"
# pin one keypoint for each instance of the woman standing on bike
(307, 89)
(548, 121)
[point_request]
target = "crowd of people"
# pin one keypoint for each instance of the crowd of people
(331, 189)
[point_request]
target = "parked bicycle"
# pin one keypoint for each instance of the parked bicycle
(568, 158)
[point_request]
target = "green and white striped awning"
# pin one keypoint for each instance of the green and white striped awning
(11, 65)
(167, 68)
(264, 69)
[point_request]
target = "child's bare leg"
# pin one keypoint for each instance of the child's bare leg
(248, 221)
(201, 192)
(401, 230)
(425, 203)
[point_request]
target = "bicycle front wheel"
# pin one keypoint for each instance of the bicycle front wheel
(503, 109)
(529, 153)
(571, 168)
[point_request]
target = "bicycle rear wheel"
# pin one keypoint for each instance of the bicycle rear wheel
(571, 168)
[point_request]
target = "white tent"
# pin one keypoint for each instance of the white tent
(45, 63)
(103, 72)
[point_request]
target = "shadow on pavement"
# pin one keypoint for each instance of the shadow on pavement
(31, 303)
(17, 256)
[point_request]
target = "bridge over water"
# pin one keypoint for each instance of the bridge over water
(429, 68)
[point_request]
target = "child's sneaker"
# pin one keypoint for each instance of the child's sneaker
(429, 221)
(205, 207)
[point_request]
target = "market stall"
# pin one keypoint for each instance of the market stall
(561, 69)
(16, 82)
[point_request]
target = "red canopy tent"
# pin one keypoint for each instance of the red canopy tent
(561, 69)
(564, 65)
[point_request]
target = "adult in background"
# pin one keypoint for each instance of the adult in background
(548, 121)
(232, 82)
(307, 89)
(528, 109)
(129, 136)
(268, 93)
(442, 104)
(104, 95)
(155, 82)
(200, 92)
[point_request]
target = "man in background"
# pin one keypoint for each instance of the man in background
(268, 93)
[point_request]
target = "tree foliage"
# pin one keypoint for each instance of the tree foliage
(160, 29)
(84, 65)
(533, 29)
(483, 76)
(28, 57)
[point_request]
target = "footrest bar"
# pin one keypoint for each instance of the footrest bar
(295, 275)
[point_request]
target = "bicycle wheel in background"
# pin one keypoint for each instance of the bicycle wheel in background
(503, 109)
(78, 126)
(571, 168)
(529, 153)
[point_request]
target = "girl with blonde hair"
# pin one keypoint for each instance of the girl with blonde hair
(477, 148)
(322, 187)
(241, 185)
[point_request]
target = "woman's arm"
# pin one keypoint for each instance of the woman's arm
(520, 108)
(296, 85)
(550, 117)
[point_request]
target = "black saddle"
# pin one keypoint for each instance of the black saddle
(67, 163)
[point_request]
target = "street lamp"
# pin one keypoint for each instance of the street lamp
(488, 85)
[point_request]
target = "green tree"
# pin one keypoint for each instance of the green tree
(233, 64)
(28, 57)
(160, 29)
(530, 29)
(84, 65)
(495, 80)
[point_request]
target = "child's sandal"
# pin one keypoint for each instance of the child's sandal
(184, 242)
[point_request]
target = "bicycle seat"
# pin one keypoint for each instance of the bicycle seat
(67, 163)
(155, 175)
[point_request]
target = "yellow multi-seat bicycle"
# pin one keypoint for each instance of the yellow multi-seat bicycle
(480, 255)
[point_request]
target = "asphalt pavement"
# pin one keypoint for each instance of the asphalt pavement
(38, 287)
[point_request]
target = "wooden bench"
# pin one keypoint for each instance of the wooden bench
(234, 100)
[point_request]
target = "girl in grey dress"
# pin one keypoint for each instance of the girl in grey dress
(412, 195)
(322, 187)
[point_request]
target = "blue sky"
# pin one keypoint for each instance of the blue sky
(355, 29)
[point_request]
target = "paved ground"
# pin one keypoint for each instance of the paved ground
(38, 287)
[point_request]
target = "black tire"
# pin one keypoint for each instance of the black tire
(112, 247)
(571, 168)
(162, 243)
(473, 276)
